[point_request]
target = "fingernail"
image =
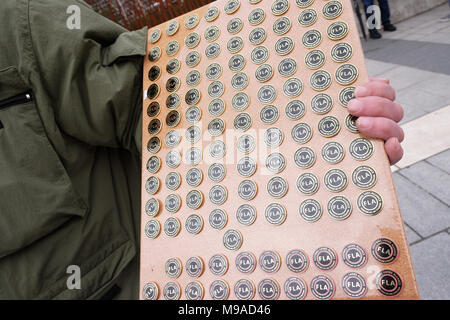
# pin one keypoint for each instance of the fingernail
(361, 92)
(363, 123)
(355, 106)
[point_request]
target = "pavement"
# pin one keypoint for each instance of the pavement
(416, 58)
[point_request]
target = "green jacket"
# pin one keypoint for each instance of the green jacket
(70, 131)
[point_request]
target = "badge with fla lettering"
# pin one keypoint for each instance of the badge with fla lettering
(354, 256)
(389, 283)
(322, 287)
(384, 250)
(354, 285)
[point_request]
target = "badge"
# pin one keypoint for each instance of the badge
(194, 224)
(310, 210)
(308, 183)
(172, 227)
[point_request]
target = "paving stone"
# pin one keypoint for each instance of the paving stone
(431, 260)
(411, 112)
(441, 160)
(425, 214)
(417, 97)
(411, 235)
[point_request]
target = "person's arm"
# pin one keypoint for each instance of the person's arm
(379, 115)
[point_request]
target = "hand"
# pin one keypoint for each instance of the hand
(379, 115)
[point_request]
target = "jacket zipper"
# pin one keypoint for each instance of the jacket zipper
(16, 100)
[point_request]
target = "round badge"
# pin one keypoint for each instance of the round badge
(244, 289)
(287, 67)
(245, 262)
(172, 48)
(191, 21)
(370, 203)
(213, 71)
(192, 40)
(172, 101)
(192, 59)
(308, 183)
(332, 10)
(194, 177)
(320, 80)
(354, 256)
(304, 3)
(172, 84)
(152, 207)
(322, 287)
(275, 214)
(257, 36)
(194, 224)
(337, 30)
(267, 94)
(231, 6)
(339, 208)
(305, 158)
(172, 203)
(194, 267)
(172, 227)
(216, 127)
(295, 110)
(280, 7)
(240, 101)
(193, 78)
(350, 123)
(364, 177)
(273, 137)
(173, 180)
(329, 126)
(276, 162)
(212, 33)
(297, 261)
(256, 16)
(321, 103)
(293, 87)
(150, 291)
(301, 133)
(173, 118)
(246, 214)
(315, 59)
(193, 134)
(269, 289)
(211, 14)
(153, 145)
(155, 35)
(361, 149)
(193, 156)
(335, 180)
(239, 81)
(172, 27)
(236, 63)
(341, 52)
(216, 172)
(153, 109)
(325, 259)
(281, 26)
(172, 291)
(192, 96)
(152, 229)
(307, 17)
(333, 152)
(212, 50)
(354, 285)
(346, 74)
(389, 283)
(218, 219)
(173, 268)
(172, 138)
(346, 95)
(269, 114)
(154, 73)
(264, 73)
(194, 291)
(194, 199)
(246, 166)
(311, 39)
(219, 290)
(235, 44)
(218, 264)
(284, 46)
(232, 239)
(153, 91)
(234, 26)
(246, 143)
(152, 185)
(242, 122)
(154, 54)
(218, 195)
(270, 261)
(310, 210)
(295, 288)
(153, 164)
(384, 250)
(216, 89)
(277, 187)
(260, 54)
(217, 149)
(247, 190)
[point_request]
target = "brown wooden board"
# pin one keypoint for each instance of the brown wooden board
(391, 272)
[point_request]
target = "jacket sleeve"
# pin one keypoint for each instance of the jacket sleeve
(92, 70)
